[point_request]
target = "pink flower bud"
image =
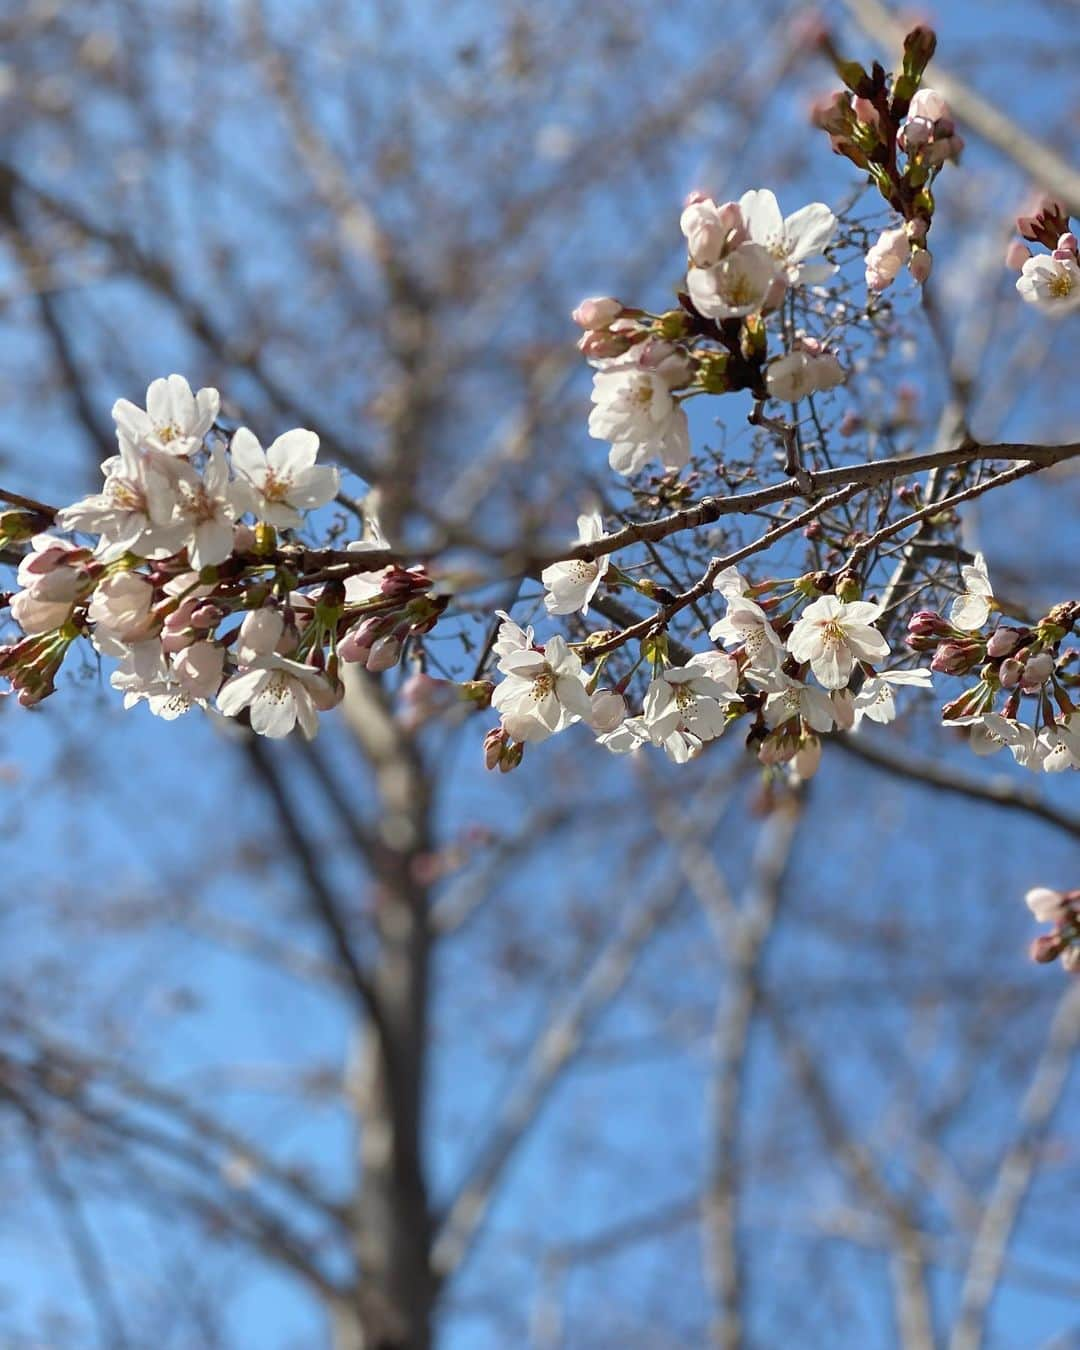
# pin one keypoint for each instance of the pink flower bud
(885, 258)
(920, 265)
(607, 710)
(928, 104)
(1048, 906)
(207, 616)
(1010, 673)
(1046, 948)
(176, 639)
(843, 708)
(496, 744)
(384, 654)
(1016, 255)
(915, 134)
(865, 112)
(954, 658)
(357, 642)
(832, 112)
(808, 758)
(243, 539)
(597, 312)
(602, 345)
(1003, 642)
(928, 623)
(949, 147)
(1037, 671)
(1067, 243)
(199, 669)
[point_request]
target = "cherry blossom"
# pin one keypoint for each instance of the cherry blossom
(739, 284)
(875, 700)
(175, 420)
(134, 510)
(885, 258)
(144, 674)
(542, 693)
(972, 609)
(746, 625)
(1051, 283)
(788, 698)
(1047, 906)
(278, 692)
(199, 669)
(607, 710)
(510, 637)
(832, 635)
(120, 609)
(636, 412)
(711, 230)
(801, 372)
(685, 699)
(571, 585)
(281, 482)
(631, 734)
(205, 510)
(53, 576)
(793, 239)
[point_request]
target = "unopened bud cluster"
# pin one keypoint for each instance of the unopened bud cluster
(902, 134)
(1019, 667)
(1061, 909)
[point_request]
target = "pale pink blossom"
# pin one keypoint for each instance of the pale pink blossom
(571, 585)
(278, 692)
(283, 481)
(635, 411)
(134, 512)
(711, 230)
(1051, 284)
(832, 635)
(175, 419)
(739, 284)
(885, 258)
(790, 241)
(542, 693)
(972, 609)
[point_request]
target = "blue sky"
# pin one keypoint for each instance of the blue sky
(110, 816)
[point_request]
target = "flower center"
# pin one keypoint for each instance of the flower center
(543, 685)
(167, 431)
(199, 505)
(277, 688)
(740, 290)
(1061, 285)
(276, 489)
(124, 495)
(832, 633)
(684, 697)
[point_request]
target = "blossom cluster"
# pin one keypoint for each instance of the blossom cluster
(1050, 281)
(1062, 910)
(1021, 668)
(187, 585)
(796, 665)
(741, 259)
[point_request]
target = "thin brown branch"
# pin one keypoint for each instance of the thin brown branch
(993, 792)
